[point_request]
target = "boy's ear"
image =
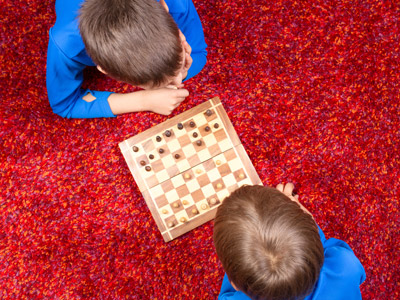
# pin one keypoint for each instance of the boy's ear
(101, 70)
(234, 286)
(162, 2)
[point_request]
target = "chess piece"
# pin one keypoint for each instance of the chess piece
(216, 125)
(151, 156)
(142, 162)
(148, 168)
(161, 150)
(135, 149)
(198, 143)
(158, 138)
(195, 134)
(168, 133)
(208, 112)
(170, 224)
(177, 156)
(192, 124)
(180, 126)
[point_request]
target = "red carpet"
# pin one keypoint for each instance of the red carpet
(312, 88)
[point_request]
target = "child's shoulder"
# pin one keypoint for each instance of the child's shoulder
(341, 274)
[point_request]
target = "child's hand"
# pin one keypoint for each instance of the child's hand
(188, 59)
(163, 101)
(287, 189)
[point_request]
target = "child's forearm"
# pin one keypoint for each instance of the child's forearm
(125, 103)
(162, 101)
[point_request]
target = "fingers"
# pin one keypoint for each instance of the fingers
(287, 189)
(187, 47)
(188, 61)
(279, 187)
(182, 36)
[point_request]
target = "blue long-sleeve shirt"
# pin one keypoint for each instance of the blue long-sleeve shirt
(340, 276)
(67, 58)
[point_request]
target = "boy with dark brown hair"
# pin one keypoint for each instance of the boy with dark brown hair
(150, 44)
(271, 248)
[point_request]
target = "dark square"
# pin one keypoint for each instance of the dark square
(157, 166)
(167, 186)
(197, 196)
(220, 135)
(182, 191)
(203, 180)
(224, 170)
(190, 212)
(161, 201)
(209, 165)
(184, 140)
(176, 209)
(173, 171)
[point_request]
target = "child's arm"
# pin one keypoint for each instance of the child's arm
(162, 101)
(64, 80)
(67, 98)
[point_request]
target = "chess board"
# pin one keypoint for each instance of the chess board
(185, 167)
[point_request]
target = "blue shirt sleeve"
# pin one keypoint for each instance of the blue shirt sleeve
(341, 275)
(64, 79)
(188, 21)
(229, 293)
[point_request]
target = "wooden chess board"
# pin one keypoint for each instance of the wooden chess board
(187, 165)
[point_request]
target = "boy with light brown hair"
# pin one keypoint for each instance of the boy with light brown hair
(272, 249)
(150, 44)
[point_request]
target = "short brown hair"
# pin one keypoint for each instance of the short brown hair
(136, 41)
(269, 247)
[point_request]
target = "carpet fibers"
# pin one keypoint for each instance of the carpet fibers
(312, 88)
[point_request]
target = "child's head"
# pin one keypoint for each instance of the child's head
(268, 245)
(135, 41)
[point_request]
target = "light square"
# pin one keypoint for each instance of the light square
(172, 196)
(204, 154)
(156, 191)
(208, 190)
(189, 150)
(183, 165)
(174, 145)
(177, 181)
(213, 175)
(162, 175)
(192, 186)
(210, 140)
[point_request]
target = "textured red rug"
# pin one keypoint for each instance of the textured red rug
(312, 88)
